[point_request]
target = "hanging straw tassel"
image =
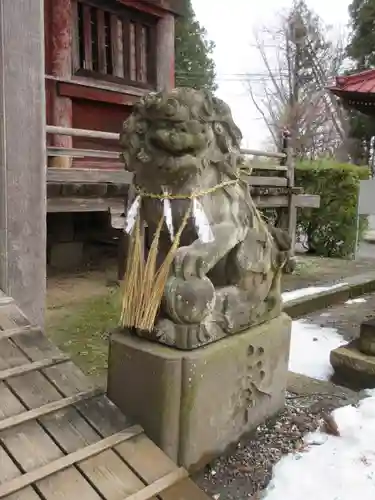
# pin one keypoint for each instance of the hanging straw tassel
(143, 285)
(133, 277)
(157, 291)
(148, 276)
(201, 222)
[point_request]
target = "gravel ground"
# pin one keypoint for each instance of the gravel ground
(246, 472)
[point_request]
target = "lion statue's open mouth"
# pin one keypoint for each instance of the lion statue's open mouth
(184, 144)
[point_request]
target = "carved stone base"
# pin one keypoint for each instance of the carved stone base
(196, 404)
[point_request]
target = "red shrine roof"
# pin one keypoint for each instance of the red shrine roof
(362, 83)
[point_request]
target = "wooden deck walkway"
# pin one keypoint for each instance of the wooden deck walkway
(60, 437)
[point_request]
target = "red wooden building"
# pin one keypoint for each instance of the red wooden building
(100, 57)
(357, 91)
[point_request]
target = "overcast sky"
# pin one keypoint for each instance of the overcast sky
(231, 24)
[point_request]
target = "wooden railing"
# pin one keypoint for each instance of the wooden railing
(291, 199)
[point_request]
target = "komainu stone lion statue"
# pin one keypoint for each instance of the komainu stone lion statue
(186, 144)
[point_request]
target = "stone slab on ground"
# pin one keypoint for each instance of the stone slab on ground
(196, 404)
(352, 366)
(352, 288)
(303, 385)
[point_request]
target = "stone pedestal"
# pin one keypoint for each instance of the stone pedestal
(354, 363)
(195, 404)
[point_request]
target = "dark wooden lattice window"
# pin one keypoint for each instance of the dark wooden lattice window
(114, 43)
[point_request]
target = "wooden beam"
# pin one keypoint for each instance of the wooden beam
(6, 334)
(62, 204)
(23, 156)
(102, 54)
(88, 176)
(165, 78)
(26, 416)
(160, 485)
(82, 153)
(266, 154)
(76, 132)
(64, 462)
(61, 33)
(15, 371)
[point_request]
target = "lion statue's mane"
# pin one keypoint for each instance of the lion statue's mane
(185, 143)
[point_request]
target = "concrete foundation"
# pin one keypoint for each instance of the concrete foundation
(195, 404)
(66, 255)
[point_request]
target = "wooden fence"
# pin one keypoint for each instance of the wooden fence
(276, 191)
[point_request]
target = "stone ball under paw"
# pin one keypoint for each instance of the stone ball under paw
(189, 301)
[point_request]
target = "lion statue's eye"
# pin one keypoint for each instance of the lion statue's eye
(171, 107)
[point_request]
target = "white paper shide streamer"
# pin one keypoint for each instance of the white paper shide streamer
(131, 216)
(202, 224)
(167, 210)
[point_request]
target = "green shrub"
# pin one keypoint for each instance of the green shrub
(331, 229)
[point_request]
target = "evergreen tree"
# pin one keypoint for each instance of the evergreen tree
(361, 50)
(362, 44)
(194, 64)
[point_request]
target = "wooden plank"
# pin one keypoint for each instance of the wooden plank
(88, 176)
(267, 166)
(301, 201)
(81, 153)
(104, 416)
(117, 46)
(87, 37)
(138, 51)
(30, 367)
(61, 204)
(290, 165)
(264, 181)
(36, 413)
(150, 462)
(152, 46)
(307, 201)
(165, 53)
(292, 220)
(266, 154)
(107, 472)
(76, 56)
(160, 485)
(102, 55)
(64, 462)
(6, 300)
(11, 317)
(9, 471)
(101, 85)
(77, 132)
(30, 447)
(126, 45)
(6, 334)
(22, 189)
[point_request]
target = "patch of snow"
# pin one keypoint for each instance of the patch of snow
(339, 468)
(311, 290)
(310, 349)
(360, 300)
(325, 315)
